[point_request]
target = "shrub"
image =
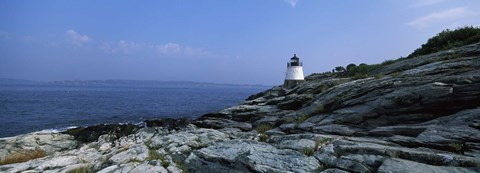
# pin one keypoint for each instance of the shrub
(340, 69)
(263, 128)
(387, 62)
(448, 39)
(308, 151)
(351, 66)
(361, 71)
(22, 156)
(360, 76)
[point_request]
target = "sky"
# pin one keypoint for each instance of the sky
(219, 41)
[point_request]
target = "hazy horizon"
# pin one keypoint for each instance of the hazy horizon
(213, 41)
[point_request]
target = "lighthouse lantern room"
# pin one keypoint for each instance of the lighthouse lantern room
(294, 74)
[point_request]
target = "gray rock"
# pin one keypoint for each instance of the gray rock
(249, 156)
(405, 166)
(298, 145)
(220, 123)
(46, 141)
(294, 101)
(334, 170)
(137, 152)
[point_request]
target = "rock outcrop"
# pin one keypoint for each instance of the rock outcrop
(419, 114)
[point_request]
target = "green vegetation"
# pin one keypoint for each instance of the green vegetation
(22, 156)
(397, 74)
(263, 137)
(444, 40)
(148, 143)
(181, 166)
(289, 120)
(82, 169)
(308, 151)
(358, 72)
(134, 160)
(302, 118)
(319, 110)
(458, 148)
(379, 76)
(322, 141)
(361, 71)
(263, 128)
(339, 69)
(388, 62)
(154, 155)
(448, 39)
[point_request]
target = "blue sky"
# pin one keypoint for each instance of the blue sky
(235, 41)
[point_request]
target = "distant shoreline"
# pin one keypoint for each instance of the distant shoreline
(121, 82)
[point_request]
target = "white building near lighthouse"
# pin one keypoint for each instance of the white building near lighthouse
(294, 74)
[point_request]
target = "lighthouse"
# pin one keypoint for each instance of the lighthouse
(294, 74)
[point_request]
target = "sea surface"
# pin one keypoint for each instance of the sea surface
(34, 106)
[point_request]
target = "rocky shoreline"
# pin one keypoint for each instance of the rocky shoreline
(417, 114)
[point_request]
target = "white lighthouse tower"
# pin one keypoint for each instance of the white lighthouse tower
(294, 72)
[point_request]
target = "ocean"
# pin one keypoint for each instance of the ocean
(33, 106)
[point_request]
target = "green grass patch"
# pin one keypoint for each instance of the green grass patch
(154, 155)
(182, 167)
(302, 118)
(308, 151)
(262, 128)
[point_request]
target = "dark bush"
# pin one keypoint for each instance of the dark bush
(448, 39)
(168, 123)
(91, 133)
(350, 66)
(340, 69)
(361, 71)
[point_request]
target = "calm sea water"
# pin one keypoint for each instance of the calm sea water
(32, 107)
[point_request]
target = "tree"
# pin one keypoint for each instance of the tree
(351, 66)
(340, 69)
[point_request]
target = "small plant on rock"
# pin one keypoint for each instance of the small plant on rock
(148, 143)
(379, 76)
(458, 148)
(302, 118)
(181, 166)
(309, 151)
(322, 141)
(81, 169)
(396, 74)
(134, 160)
(154, 155)
(263, 128)
(263, 137)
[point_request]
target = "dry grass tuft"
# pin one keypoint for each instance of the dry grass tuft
(22, 156)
